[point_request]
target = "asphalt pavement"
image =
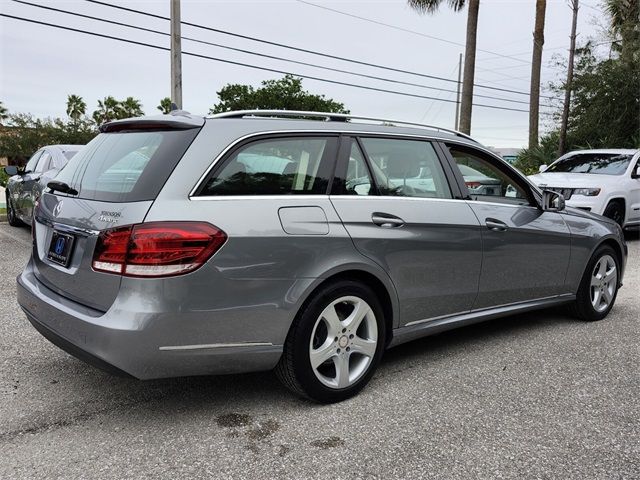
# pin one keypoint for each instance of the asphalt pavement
(538, 395)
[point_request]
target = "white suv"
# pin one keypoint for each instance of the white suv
(606, 182)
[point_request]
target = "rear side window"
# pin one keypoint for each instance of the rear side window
(406, 168)
(277, 166)
(126, 166)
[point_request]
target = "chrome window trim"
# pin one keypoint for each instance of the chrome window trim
(284, 133)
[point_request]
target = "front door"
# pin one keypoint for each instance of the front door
(525, 250)
(396, 202)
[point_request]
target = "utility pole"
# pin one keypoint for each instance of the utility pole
(457, 125)
(466, 102)
(176, 55)
(562, 147)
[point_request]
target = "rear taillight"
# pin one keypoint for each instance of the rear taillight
(473, 184)
(156, 249)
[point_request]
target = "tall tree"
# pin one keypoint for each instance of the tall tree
(76, 107)
(536, 66)
(283, 94)
(430, 7)
(4, 113)
(130, 107)
(107, 110)
(625, 17)
(165, 105)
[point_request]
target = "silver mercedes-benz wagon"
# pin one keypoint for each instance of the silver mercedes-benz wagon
(304, 242)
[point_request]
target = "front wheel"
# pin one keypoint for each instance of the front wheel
(335, 343)
(599, 286)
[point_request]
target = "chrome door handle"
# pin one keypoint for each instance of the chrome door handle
(495, 225)
(386, 220)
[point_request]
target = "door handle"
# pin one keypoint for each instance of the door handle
(495, 225)
(386, 220)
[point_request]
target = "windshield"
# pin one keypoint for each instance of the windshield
(598, 163)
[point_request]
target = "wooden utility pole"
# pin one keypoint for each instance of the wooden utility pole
(457, 124)
(536, 66)
(176, 55)
(469, 67)
(562, 147)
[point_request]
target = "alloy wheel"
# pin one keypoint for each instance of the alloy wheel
(604, 281)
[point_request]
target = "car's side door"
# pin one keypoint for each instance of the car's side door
(634, 192)
(21, 186)
(402, 208)
(525, 249)
(30, 185)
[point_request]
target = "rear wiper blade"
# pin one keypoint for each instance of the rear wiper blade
(59, 186)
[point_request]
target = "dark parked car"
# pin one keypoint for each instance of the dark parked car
(25, 185)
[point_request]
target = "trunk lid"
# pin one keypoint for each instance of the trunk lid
(112, 182)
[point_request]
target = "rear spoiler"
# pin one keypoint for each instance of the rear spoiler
(173, 121)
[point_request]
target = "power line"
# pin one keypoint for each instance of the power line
(231, 62)
(406, 30)
(273, 57)
(312, 52)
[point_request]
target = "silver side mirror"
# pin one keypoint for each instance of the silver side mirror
(552, 201)
(542, 168)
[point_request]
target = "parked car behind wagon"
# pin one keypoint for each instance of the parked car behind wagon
(25, 185)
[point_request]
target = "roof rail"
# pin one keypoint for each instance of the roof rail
(332, 117)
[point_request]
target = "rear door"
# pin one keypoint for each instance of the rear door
(525, 250)
(399, 205)
(117, 177)
(24, 182)
(31, 184)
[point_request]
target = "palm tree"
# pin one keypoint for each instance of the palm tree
(76, 107)
(107, 110)
(165, 105)
(624, 20)
(431, 6)
(4, 113)
(536, 66)
(130, 107)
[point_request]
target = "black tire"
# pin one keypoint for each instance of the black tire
(13, 220)
(615, 211)
(582, 308)
(294, 369)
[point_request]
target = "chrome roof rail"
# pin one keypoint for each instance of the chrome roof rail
(333, 117)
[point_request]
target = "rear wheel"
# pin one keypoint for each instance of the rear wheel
(599, 286)
(615, 211)
(335, 343)
(12, 218)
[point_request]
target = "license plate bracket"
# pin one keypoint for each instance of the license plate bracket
(60, 248)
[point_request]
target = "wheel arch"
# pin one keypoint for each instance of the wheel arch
(621, 200)
(378, 281)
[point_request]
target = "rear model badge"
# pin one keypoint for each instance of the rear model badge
(109, 217)
(57, 208)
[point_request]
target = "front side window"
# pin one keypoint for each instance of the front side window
(280, 166)
(595, 163)
(485, 180)
(406, 168)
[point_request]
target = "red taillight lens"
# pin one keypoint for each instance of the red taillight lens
(473, 184)
(157, 249)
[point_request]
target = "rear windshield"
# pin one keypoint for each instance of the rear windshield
(599, 163)
(126, 166)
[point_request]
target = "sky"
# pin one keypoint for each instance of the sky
(41, 65)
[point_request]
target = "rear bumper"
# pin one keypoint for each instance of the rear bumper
(123, 344)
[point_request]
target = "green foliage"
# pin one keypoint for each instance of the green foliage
(432, 6)
(3, 180)
(530, 159)
(283, 94)
(76, 107)
(25, 134)
(4, 113)
(165, 105)
(110, 109)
